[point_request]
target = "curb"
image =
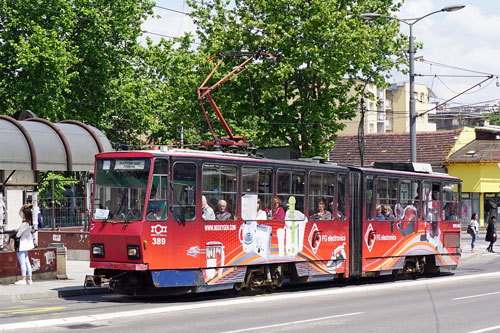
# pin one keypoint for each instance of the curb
(29, 296)
(54, 294)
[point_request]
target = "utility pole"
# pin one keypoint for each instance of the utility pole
(410, 22)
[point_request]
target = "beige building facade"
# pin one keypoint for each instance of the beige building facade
(388, 110)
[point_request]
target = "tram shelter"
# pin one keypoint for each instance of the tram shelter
(29, 146)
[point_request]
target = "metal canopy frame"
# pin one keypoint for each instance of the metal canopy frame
(36, 144)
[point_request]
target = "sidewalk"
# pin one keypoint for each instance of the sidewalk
(73, 286)
(481, 245)
(76, 271)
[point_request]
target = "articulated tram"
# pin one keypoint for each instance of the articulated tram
(182, 221)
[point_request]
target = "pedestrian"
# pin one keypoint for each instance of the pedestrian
(475, 230)
(491, 234)
(25, 244)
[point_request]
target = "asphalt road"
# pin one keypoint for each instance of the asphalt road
(465, 301)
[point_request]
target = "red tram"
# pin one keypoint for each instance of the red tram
(179, 221)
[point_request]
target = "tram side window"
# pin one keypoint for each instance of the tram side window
(290, 183)
(387, 198)
(321, 195)
(450, 202)
(341, 197)
(407, 209)
(259, 182)
(184, 192)
(220, 190)
(157, 204)
(432, 201)
(369, 209)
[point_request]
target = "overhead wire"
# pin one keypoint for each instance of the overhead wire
(297, 38)
(457, 68)
(473, 92)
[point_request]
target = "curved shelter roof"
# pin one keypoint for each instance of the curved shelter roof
(37, 144)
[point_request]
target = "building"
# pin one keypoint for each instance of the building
(388, 110)
(446, 117)
(478, 165)
(432, 148)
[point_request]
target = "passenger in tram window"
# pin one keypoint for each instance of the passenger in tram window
(340, 212)
(156, 208)
(222, 213)
(387, 212)
(322, 213)
(449, 211)
(278, 211)
(332, 206)
(261, 215)
(207, 213)
(380, 216)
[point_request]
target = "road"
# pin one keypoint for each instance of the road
(465, 301)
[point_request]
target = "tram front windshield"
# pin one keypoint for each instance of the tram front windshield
(120, 188)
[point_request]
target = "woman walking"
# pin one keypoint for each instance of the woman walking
(491, 234)
(475, 229)
(25, 244)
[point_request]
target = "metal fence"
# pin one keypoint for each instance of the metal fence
(65, 212)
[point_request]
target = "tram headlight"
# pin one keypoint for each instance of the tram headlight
(133, 252)
(98, 250)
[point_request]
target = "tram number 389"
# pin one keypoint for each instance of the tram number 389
(159, 241)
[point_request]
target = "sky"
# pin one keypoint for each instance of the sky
(465, 39)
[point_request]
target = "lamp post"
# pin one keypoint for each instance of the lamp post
(410, 22)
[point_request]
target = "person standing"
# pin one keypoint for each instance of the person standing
(25, 244)
(491, 234)
(475, 229)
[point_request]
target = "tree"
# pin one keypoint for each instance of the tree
(75, 60)
(61, 183)
(494, 118)
(169, 69)
(322, 49)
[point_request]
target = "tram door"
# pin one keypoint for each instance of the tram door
(355, 223)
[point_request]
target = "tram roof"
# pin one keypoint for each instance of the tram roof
(243, 157)
(407, 173)
(314, 162)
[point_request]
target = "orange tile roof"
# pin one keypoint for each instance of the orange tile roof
(432, 147)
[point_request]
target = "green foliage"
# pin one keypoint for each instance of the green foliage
(74, 60)
(322, 48)
(494, 118)
(61, 184)
(81, 59)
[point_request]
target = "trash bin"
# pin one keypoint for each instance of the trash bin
(60, 260)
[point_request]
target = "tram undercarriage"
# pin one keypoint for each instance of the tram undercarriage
(258, 277)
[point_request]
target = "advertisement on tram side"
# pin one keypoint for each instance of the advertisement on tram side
(386, 244)
(222, 248)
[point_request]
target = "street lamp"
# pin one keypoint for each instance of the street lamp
(410, 22)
